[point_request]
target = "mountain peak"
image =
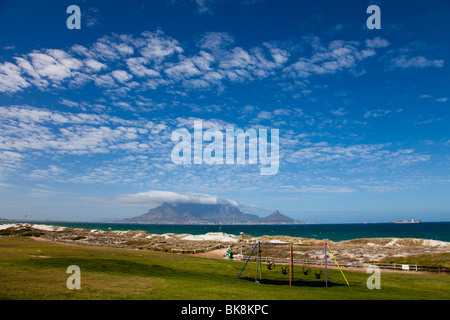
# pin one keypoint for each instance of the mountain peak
(166, 204)
(277, 217)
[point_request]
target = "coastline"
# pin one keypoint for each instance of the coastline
(354, 252)
(334, 232)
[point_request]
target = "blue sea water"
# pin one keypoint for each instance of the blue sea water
(334, 232)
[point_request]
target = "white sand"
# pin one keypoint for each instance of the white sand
(43, 227)
(276, 241)
(393, 242)
(47, 227)
(436, 243)
(9, 225)
(97, 231)
(398, 242)
(213, 236)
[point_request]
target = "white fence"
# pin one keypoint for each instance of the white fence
(356, 264)
(198, 250)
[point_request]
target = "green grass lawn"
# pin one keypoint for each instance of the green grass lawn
(31, 269)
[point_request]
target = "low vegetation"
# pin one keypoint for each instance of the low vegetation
(432, 260)
(31, 269)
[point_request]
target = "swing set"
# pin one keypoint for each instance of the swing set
(289, 269)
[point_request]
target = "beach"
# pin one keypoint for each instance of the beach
(350, 253)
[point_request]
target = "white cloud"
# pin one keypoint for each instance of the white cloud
(236, 58)
(183, 69)
(104, 80)
(125, 63)
(203, 61)
(380, 112)
(137, 67)
(29, 69)
(94, 65)
(145, 56)
(51, 171)
(339, 55)
(214, 41)
(11, 79)
(322, 189)
(27, 129)
(8, 157)
(105, 49)
(377, 43)
(282, 112)
(280, 56)
(370, 154)
(56, 65)
(217, 124)
(440, 100)
(203, 6)
(91, 17)
(263, 115)
(157, 46)
(196, 83)
(121, 75)
(339, 112)
(376, 113)
(405, 62)
(155, 197)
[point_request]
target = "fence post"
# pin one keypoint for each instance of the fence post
(326, 273)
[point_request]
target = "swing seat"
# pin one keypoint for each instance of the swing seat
(318, 275)
(307, 271)
(270, 265)
(284, 270)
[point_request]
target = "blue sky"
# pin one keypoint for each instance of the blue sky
(86, 116)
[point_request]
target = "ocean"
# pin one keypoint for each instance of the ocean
(334, 232)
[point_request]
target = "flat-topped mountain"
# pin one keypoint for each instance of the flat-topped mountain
(194, 213)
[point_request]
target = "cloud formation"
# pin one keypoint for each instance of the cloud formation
(122, 136)
(153, 197)
(154, 59)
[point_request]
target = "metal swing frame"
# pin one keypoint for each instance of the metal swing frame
(291, 265)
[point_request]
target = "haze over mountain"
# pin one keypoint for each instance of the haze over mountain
(195, 213)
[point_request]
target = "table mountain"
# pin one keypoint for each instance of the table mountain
(195, 213)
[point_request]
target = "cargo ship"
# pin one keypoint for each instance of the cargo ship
(407, 221)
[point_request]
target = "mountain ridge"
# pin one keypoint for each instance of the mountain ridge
(196, 213)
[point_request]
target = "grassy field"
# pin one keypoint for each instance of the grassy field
(31, 269)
